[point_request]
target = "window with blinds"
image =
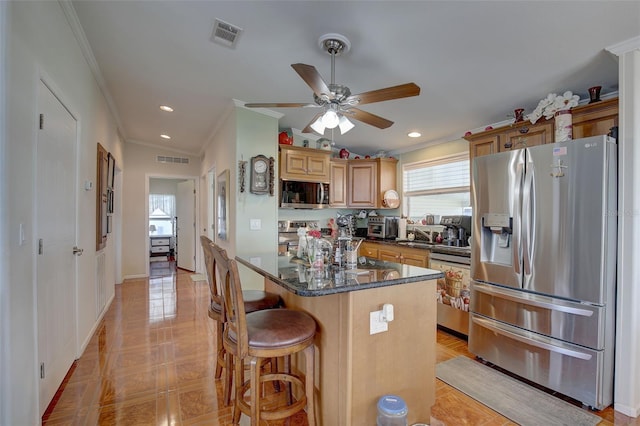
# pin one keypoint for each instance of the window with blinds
(439, 186)
(162, 209)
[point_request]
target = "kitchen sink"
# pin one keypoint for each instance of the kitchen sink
(416, 244)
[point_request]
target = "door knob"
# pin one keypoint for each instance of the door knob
(77, 251)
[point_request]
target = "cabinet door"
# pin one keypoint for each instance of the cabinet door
(538, 134)
(369, 250)
(595, 119)
(484, 146)
(389, 255)
(318, 166)
(304, 164)
(338, 183)
(362, 184)
(294, 163)
(416, 258)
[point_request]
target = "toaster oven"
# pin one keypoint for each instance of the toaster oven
(384, 227)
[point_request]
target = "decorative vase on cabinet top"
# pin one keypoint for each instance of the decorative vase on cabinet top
(563, 126)
(285, 139)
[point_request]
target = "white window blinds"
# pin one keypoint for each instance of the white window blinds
(439, 186)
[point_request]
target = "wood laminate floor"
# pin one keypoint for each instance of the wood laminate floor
(151, 362)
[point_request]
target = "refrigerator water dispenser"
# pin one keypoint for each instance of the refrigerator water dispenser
(495, 240)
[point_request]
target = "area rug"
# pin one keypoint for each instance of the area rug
(198, 277)
(513, 399)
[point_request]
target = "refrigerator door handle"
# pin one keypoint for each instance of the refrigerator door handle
(499, 329)
(528, 206)
(517, 220)
(532, 301)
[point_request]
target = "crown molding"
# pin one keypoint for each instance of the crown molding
(85, 47)
(625, 46)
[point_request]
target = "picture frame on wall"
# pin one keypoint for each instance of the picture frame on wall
(111, 170)
(222, 204)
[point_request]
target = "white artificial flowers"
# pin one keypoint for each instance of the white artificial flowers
(553, 103)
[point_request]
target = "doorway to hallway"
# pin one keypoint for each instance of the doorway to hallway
(172, 223)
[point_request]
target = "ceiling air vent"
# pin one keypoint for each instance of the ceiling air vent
(175, 160)
(225, 33)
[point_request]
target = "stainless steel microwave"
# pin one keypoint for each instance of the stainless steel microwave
(304, 195)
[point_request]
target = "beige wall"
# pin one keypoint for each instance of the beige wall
(39, 44)
(141, 166)
(244, 134)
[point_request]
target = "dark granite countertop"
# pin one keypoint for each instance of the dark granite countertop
(419, 244)
(288, 272)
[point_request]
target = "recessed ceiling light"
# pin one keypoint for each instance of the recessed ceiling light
(163, 136)
(166, 108)
(414, 134)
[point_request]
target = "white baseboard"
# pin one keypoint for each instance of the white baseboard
(134, 277)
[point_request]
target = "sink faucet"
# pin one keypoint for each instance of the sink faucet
(426, 235)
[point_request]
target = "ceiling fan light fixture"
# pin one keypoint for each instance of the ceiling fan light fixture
(345, 125)
(317, 126)
(330, 119)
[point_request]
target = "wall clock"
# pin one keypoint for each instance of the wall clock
(259, 175)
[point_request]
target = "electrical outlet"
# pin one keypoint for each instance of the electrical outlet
(376, 325)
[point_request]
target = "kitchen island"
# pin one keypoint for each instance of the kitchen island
(355, 368)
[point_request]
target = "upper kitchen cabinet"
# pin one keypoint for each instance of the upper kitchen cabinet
(527, 136)
(368, 180)
(487, 144)
(304, 164)
(595, 119)
(588, 120)
(338, 188)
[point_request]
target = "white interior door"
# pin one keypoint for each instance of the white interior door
(56, 237)
(186, 211)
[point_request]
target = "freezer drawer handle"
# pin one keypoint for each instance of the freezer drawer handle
(505, 294)
(530, 341)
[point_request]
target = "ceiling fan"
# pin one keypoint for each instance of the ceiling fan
(336, 100)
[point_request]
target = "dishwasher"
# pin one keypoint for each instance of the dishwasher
(453, 291)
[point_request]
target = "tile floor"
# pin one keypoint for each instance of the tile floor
(151, 362)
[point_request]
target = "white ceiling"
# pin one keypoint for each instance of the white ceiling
(475, 61)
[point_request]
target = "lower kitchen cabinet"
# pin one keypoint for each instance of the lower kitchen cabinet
(368, 249)
(396, 253)
(415, 257)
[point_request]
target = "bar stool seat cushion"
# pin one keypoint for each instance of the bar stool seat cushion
(257, 300)
(254, 300)
(278, 328)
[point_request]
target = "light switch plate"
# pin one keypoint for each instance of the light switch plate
(375, 323)
(255, 224)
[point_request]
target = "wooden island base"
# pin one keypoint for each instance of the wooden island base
(356, 368)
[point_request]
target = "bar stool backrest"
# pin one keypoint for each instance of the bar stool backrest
(210, 266)
(233, 302)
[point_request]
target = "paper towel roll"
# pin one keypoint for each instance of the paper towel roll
(402, 229)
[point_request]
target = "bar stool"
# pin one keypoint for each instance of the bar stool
(262, 335)
(255, 300)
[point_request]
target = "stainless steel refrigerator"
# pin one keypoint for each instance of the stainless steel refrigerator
(543, 265)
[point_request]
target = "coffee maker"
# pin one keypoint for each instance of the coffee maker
(457, 230)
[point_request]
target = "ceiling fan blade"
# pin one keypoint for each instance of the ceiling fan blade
(308, 128)
(279, 105)
(368, 118)
(395, 92)
(312, 77)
